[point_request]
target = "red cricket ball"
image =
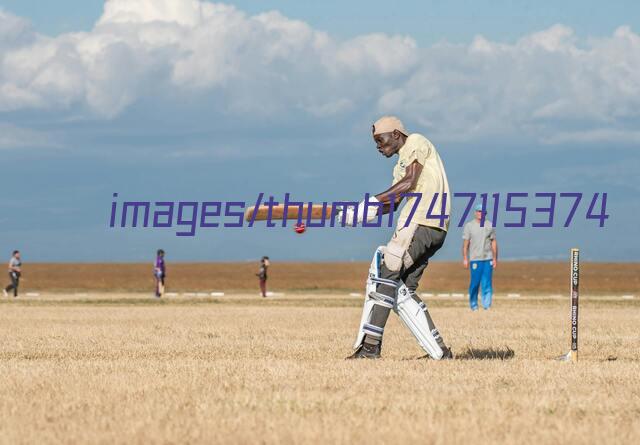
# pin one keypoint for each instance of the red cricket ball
(300, 228)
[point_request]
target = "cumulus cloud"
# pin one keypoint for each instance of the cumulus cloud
(549, 86)
(546, 86)
(257, 64)
(14, 31)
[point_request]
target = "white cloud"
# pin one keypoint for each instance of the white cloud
(14, 30)
(257, 64)
(544, 85)
(379, 53)
(187, 13)
(549, 86)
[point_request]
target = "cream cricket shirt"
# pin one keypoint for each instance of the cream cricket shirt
(433, 179)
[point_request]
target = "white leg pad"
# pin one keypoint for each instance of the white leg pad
(413, 316)
(373, 298)
(410, 312)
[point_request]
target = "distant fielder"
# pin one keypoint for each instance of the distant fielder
(160, 273)
(397, 267)
(262, 275)
(480, 255)
(15, 270)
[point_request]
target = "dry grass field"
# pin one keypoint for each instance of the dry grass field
(124, 368)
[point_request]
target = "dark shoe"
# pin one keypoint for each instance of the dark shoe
(366, 351)
(447, 354)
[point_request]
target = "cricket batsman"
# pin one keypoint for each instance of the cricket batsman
(397, 267)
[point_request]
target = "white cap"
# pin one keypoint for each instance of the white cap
(387, 124)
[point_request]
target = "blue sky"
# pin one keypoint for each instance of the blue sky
(426, 21)
(178, 100)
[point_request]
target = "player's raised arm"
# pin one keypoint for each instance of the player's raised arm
(407, 184)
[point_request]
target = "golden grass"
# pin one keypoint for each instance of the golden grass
(254, 371)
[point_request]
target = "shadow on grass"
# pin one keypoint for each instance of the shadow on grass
(502, 353)
(505, 353)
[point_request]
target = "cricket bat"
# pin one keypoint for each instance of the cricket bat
(318, 211)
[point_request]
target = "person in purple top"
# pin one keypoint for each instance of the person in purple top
(159, 272)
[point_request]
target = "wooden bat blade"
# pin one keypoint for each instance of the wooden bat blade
(318, 211)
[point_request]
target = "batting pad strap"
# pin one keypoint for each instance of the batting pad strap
(415, 319)
(384, 281)
(422, 306)
(382, 299)
(372, 330)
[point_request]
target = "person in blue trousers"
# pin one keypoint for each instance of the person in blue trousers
(480, 255)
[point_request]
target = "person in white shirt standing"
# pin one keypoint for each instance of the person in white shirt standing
(480, 255)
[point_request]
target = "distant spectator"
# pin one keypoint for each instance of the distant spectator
(15, 270)
(262, 275)
(160, 273)
(480, 250)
